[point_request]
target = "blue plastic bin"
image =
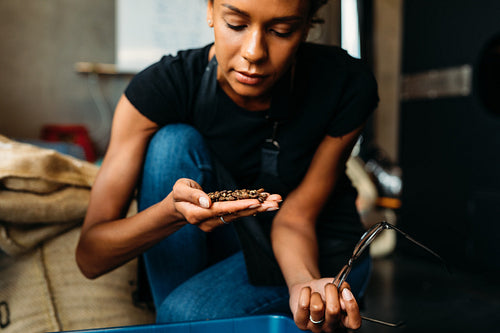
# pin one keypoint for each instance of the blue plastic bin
(253, 324)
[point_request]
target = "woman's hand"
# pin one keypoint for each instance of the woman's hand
(320, 301)
(194, 206)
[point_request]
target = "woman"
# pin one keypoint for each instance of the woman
(258, 108)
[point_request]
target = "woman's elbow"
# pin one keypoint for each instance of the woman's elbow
(84, 264)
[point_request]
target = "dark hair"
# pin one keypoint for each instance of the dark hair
(313, 10)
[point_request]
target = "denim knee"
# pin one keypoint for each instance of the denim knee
(175, 151)
(178, 143)
(222, 291)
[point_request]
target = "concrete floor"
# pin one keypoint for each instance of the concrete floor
(422, 294)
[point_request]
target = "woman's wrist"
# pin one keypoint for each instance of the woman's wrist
(169, 210)
(301, 278)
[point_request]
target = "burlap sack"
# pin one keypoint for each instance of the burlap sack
(34, 165)
(66, 205)
(16, 240)
(42, 193)
(43, 291)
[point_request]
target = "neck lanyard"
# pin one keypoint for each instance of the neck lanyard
(269, 153)
(283, 109)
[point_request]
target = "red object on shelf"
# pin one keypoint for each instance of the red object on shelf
(76, 134)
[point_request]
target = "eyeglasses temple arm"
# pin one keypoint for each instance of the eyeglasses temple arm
(341, 277)
(381, 322)
(421, 245)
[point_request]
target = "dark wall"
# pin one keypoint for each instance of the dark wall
(450, 147)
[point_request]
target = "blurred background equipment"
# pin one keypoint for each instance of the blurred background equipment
(379, 185)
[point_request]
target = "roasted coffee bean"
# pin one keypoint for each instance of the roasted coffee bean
(229, 195)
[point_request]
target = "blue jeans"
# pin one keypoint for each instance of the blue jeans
(195, 275)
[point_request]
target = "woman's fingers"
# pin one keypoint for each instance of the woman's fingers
(219, 213)
(274, 197)
(352, 319)
(325, 309)
(333, 309)
(197, 208)
(301, 316)
(317, 308)
(341, 308)
(310, 313)
(316, 312)
(190, 191)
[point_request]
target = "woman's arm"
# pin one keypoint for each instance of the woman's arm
(107, 238)
(294, 237)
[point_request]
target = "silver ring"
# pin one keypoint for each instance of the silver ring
(316, 322)
(222, 220)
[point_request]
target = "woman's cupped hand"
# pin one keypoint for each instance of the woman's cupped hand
(193, 205)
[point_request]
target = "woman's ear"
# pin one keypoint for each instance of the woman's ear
(210, 13)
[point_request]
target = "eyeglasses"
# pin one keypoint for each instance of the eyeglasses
(362, 244)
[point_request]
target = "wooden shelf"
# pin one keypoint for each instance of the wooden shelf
(99, 68)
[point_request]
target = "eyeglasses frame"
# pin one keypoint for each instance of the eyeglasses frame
(363, 243)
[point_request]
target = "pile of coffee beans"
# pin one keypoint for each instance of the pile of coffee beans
(229, 195)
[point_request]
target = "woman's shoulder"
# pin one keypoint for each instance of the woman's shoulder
(189, 62)
(331, 65)
(168, 84)
(312, 49)
(329, 57)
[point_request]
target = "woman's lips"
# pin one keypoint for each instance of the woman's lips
(249, 78)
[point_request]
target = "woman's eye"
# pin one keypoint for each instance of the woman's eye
(282, 34)
(235, 27)
(283, 30)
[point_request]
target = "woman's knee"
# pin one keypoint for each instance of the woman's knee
(176, 133)
(221, 291)
(194, 304)
(174, 140)
(174, 310)
(175, 151)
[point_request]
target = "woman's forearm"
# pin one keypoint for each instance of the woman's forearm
(294, 229)
(106, 245)
(295, 248)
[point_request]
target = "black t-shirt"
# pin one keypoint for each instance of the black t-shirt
(332, 94)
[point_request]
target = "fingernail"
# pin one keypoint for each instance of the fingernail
(204, 202)
(270, 209)
(347, 295)
(254, 206)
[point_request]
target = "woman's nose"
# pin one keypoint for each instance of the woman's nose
(254, 49)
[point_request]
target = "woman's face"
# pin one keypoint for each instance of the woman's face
(255, 44)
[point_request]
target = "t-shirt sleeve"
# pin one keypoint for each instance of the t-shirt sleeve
(159, 92)
(359, 99)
